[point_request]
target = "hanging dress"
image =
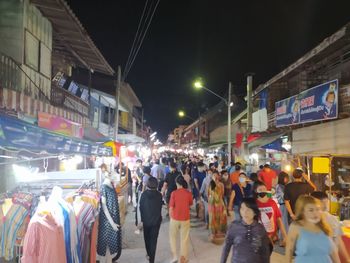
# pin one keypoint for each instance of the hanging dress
(107, 236)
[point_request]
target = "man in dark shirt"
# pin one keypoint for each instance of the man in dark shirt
(169, 182)
(295, 189)
(151, 216)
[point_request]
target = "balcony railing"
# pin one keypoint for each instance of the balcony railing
(14, 77)
(64, 99)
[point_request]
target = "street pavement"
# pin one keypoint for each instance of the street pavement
(201, 250)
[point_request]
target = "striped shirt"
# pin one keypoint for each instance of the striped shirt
(44, 241)
(12, 222)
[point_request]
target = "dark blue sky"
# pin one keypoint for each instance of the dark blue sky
(217, 40)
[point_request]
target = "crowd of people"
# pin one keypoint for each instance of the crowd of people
(251, 213)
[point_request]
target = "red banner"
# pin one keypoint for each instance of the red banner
(239, 139)
(60, 125)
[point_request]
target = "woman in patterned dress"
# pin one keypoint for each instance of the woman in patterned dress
(216, 207)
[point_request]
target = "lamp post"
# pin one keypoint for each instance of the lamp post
(182, 114)
(199, 85)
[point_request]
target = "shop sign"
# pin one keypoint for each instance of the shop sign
(315, 104)
(320, 165)
(60, 125)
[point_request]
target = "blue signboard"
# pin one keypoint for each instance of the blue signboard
(315, 104)
(17, 134)
(319, 103)
(287, 112)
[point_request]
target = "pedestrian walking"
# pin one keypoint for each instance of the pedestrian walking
(283, 179)
(188, 179)
(170, 183)
(199, 175)
(234, 176)
(268, 177)
(216, 207)
(334, 223)
(240, 190)
(295, 189)
(228, 187)
(247, 237)
(309, 236)
(179, 205)
(270, 215)
(151, 216)
(204, 195)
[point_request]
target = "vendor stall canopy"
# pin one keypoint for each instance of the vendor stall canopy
(19, 135)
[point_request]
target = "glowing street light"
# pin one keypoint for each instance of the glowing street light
(198, 84)
(182, 114)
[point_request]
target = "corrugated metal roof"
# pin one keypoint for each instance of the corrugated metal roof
(319, 49)
(70, 39)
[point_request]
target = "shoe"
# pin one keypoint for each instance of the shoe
(137, 232)
(174, 260)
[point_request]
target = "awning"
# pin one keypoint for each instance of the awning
(19, 135)
(107, 100)
(130, 138)
(94, 135)
(264, 140)
(70, 39)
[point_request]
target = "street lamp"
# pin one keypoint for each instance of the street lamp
(198, 84)
(183, 114)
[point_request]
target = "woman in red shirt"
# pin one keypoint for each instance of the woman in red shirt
(179, 205)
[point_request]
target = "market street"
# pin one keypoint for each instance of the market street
(201, 251)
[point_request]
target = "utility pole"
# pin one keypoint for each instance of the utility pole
(249, 103)
(91, 118)
(229, 148)
(117, 95)
(199, 129)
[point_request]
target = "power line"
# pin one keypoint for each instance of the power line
(127, 70)
(136, 35)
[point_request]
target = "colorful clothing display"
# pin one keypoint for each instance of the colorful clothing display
(217, 209)
(12, 221)
(44, 241)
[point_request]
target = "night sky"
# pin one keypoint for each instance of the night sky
(219, 41)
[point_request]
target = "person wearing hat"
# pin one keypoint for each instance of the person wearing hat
(151, 216)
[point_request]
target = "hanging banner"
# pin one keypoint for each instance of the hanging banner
(319, 103)
(20, 135)
(287, 112)
(315, 104)
(60, 125)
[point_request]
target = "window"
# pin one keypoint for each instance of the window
(45, 60)
(31, 51)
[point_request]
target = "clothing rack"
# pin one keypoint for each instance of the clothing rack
(44, 183)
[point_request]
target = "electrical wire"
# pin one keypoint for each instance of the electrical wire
(127, 70)
(136, 35)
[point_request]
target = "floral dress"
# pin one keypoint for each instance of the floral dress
(217, 209)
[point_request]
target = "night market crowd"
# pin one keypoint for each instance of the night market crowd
(250, 214)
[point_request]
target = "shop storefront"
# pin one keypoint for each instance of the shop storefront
(44, 170)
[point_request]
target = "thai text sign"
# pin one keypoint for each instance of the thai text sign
(315, 104)
(60, 125)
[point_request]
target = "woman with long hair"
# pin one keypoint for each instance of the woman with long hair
(283, 179)
(309, 237)
(216, 207)
(247, 237)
